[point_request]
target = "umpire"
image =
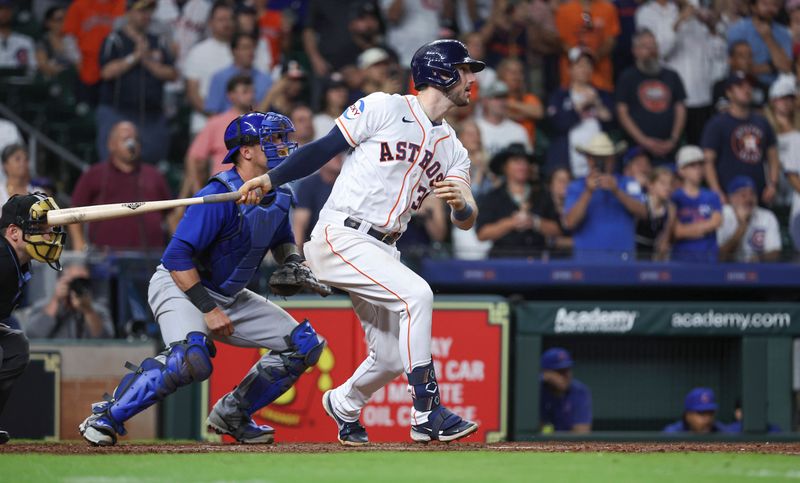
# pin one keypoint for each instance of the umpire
(24, 238)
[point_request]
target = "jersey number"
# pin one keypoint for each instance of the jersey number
(423, 191)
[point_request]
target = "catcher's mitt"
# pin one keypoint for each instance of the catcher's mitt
(291, 277)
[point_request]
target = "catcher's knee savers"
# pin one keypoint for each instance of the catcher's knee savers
(269, 381)
(181, 364)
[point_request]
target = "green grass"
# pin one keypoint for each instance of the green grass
(383, 467)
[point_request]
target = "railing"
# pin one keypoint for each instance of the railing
(37, 137)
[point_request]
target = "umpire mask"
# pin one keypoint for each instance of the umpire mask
(44, 243)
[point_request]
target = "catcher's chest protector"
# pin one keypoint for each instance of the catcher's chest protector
(244, 250)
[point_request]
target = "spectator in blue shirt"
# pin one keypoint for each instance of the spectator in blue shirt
(244, 53)
(565, 403)
(699, 414)
(699, 211)
(601, 209)
(739, 142)
(771, 42)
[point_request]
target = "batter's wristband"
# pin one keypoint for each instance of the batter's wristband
(200, 298)
(464, 213)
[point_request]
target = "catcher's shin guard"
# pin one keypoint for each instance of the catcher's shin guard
(270, 377)
(442, 424)
(265, 383)
(183, 363)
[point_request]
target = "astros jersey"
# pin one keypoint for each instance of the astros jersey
(397, 155)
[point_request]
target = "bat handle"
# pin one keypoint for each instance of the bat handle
(221, 198)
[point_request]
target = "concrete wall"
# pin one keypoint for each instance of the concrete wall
(91, 368)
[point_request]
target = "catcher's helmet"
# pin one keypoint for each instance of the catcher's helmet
(242, 131)
(270, 130)
(436, 63)
(44, 243)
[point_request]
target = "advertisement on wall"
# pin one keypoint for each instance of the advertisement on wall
(659, 318)
(470, 351)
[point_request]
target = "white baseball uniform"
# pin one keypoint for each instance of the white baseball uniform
(397, 154)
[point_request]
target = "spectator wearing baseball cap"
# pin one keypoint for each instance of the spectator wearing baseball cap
(576, 113)
(601, 209)
(498, 131)
(636, 164)
(287, 92)
(699, 414)
(748, 233)
(740, 142)
(697, 209)
(565, 403)
(380, 72)
(740, 58)
(784, 118)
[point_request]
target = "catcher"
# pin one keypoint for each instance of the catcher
(198, 294)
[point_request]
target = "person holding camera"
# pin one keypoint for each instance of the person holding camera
(71, 313)
(576, 113)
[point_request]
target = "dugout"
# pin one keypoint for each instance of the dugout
(641, 358)
(693, 326)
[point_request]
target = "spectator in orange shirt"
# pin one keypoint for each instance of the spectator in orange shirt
(592, 24)
(523, 107)
(275, 26)
(90, 22)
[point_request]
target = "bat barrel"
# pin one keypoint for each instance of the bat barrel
(82, 214)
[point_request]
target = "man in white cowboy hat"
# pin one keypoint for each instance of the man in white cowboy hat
(601, 209)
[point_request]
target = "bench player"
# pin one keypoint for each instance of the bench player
(400, 150)
(198, 293)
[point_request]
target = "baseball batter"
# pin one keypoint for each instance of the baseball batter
(198, 294)
(400, 150)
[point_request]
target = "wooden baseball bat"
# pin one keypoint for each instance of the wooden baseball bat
(81, 214)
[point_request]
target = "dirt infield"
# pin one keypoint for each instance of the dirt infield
(77, 448)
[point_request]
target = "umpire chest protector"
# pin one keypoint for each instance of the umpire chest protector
(235, 258)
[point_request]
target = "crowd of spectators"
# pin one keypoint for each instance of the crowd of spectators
(663, 129)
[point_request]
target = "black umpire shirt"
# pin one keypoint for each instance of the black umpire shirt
(13, 277)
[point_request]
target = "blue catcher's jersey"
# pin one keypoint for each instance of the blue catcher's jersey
(228, 241)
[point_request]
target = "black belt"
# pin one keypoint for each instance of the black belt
(387, 238)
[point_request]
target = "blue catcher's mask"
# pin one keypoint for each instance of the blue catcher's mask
(274, 136)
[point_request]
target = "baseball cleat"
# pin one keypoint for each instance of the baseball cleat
(98, 432)
(248, 433)
(4, 437)
(443, 425)
(350, 433)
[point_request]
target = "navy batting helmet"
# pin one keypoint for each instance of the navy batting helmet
(436, 63)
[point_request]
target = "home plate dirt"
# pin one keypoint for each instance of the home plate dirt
(75, 447)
